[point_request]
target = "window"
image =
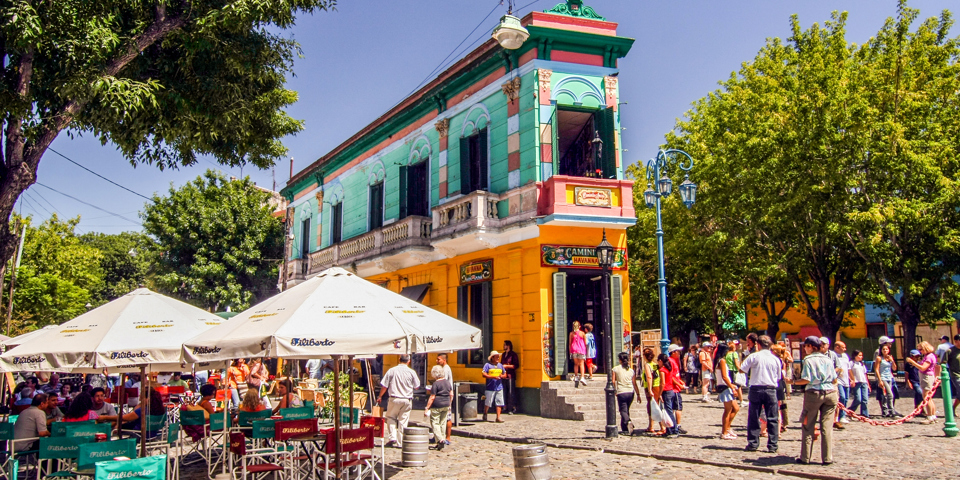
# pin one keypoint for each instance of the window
(473, 163)
(475, 307)
(336, 223)
(304, 237)
(579, 154)
(414, 190)
(375, 207)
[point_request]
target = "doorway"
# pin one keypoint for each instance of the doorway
(584, 305)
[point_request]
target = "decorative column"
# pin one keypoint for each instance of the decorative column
(613, 101)
(512, 90)
(547, 110)
(443, 128)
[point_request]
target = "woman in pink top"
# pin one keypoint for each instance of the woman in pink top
(928, 374)
(578, 352)
(81, 409)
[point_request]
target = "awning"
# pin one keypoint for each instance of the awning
(416, 292)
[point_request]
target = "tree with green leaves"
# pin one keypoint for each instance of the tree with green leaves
(57, 274)
(907, 218)
(164, 80)
(126, 261)
(218, 243)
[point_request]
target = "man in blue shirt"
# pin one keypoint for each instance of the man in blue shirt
(494, 373)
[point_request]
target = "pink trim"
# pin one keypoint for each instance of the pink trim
(552, 197)
(540, 19)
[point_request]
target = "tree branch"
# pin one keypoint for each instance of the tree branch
(14, 133)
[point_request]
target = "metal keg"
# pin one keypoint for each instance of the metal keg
(530, 462)
(416, 443)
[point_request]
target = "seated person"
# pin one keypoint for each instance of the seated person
(32, 423)
(101, 405)
(131, 421)
(251, 402)
(26, 397)
(288, 399)
(176, 381)
(208, 405)
(81, 409)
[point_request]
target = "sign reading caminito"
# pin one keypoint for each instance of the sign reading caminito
(578, 256)
(593, 197)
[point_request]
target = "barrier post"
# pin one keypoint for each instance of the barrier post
(949, 422)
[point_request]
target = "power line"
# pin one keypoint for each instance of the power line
(97, 174)
(34, 201)
(89, 204)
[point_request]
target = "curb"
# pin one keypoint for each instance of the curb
(669, 458)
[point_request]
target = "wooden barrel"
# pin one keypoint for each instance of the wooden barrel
(416, 443)
(530, 462)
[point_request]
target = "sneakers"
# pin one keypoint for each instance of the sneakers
(629, 428)
(681, 430)
(844, 420)
(728, 436)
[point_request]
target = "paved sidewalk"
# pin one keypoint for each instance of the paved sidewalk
(911, 450)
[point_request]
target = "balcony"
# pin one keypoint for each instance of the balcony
(411, 232)
(573, 201)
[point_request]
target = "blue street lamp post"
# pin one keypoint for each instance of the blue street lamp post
(657, 174)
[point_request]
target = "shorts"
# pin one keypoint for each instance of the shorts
(955, 387)
(578, 356)
(677, 402)
(493, 397)
(726, 395)
(589, 364)
(926, 383)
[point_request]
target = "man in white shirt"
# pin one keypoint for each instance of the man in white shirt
(400, 381)
(943, 348)
(447, 375)
(101, 406)
(842, 364)
(764, 371)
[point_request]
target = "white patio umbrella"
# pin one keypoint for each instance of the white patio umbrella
(334, 313)
(142, 329)
(338, 314)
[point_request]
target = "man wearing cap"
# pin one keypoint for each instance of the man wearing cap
(943, 348)
(953, 366)
(400, 382)
(674, 351)
(707, 368)
(764, 371)
(494, 373)
(895, 391)
(819, 400)
(912, 374)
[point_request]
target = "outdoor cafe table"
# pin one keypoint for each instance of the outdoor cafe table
(317, 441)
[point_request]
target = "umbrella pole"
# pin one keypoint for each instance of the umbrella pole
(370, 395)
(350, 369)
(122, 398)
(144, 410)
(336, 410)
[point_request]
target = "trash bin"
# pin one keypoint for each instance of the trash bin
(469, 407)
(530, 462)
(416, 443)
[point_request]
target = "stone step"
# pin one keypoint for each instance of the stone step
(578, 391)
(589, 407)
(599, 415)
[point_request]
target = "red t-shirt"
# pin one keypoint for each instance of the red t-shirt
(669, 378)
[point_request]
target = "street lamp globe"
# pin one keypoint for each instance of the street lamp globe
(666, 186)
(605, 252)
(688, 192)
(510, 34)
(649, 196)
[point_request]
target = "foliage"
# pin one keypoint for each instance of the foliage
(164, 80)
(218, 243)
(327, 382)
(126, 262)
(56, 276)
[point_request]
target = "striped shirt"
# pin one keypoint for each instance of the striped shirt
(818, 369)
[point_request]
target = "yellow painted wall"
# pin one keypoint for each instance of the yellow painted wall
(522, 295)
(796, 318)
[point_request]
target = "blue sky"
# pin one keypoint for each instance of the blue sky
(368, 55)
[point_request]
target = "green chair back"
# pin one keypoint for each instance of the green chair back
(59, 447)
(173, 433)
(264, 429)
(59, 429)
(216, 422)
(345, 415)
(155, 423)
(91, 453)
(245, 419)
(6, 431)
(146, 468)
(309, 404)
(192, 417)
(87, 431)
(298, 413)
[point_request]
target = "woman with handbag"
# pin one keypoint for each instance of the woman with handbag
(726, 387)
(672, 385)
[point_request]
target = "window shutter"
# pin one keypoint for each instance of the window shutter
(486, 309)
(305, 238)
(608, 160)
(483, 161)
(463, 305)
(616, 313)
(559, 324)
(404, 182)
(465, 165)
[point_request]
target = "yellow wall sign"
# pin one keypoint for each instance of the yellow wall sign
(476, 272)
(593, 197)
(573, 256)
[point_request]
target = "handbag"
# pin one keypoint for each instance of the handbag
(740, 378)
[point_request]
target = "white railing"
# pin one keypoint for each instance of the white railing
(410, 231)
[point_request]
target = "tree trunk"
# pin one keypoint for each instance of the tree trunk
(909, 319)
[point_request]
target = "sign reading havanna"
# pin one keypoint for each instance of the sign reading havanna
(578, 257)
(475, 272)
